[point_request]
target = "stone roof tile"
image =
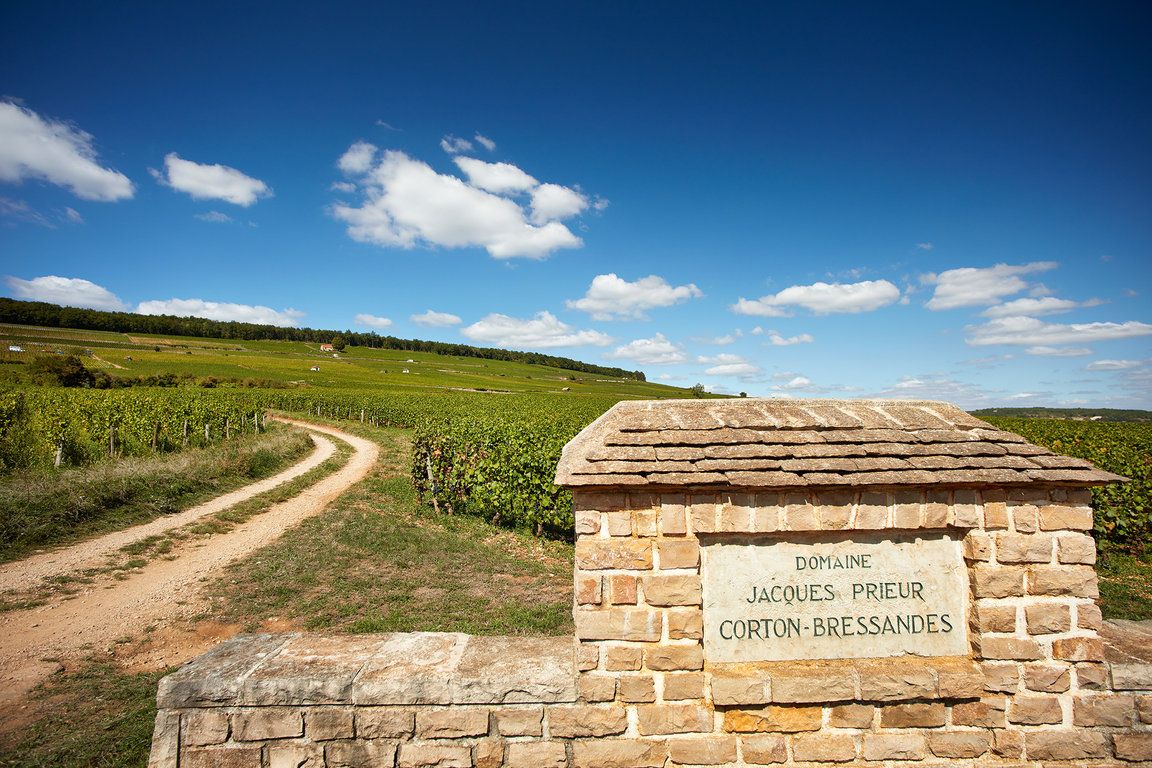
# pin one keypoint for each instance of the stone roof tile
(816, 443)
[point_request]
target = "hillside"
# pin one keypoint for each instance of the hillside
(1075, 414)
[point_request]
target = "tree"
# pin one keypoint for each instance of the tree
(338, 343)
(64, 370)
(697, 390)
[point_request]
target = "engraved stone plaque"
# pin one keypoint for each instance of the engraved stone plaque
(849, 596)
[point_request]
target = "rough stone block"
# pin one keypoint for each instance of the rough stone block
(215, 678)
(1061, 517)
(519, 721)
(687, 685)
(1134, 747)
(267, 723)
(385, 722)
(453, 723)
(995, 513)
(604, 501)
(679, 553)
(327, 723)
(885, 683)
(812, 686)
(623, 658)
(938, 514)
(1066, 744)
(1076, 549)
(636, 689)
(672, 590)
(1091, 677)
(894, 746)
(674, 658)
(1035, 710)
(961, 681)
(773, 719)
(587, 522)
(735, 514)
(1047, 678)
(1022, 648)
(906, 510)
(764, 750)
(963, 745)
(766, 517)
(1008, 744)
(619, 624)
(592, 687)
(356, 754)
(1014, 548)
(1106, 709)
(993, 616)
(872, 511)
(714, 750)
(1132, 677)
(663, 719)
(703, 514)
(834, 510)
(1025, 518)
(673, 521)
(851, 716)
(488, 753)
(619, 523)
(584, 721)
(977, 547)
(1070, 580)
(622, 589)
(220, 757)
(536, 754)
(432, 756)
(620, 753)
(913, 715)
(287, 754)
(165, 740)
(1144, 709)
(986, 713)
(589, 589)
(645, 523)
(996, 581)
(1047, 618)
(823, 748)
(1088, 616)
(587, 657)
(1078, 649)
(732, 689)
(685, 625)
(615, 554)
(799, 514)
(201, 727)
(1000, 677)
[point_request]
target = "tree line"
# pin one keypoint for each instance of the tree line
(55, 316)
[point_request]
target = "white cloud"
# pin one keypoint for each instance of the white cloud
(407, 204)
(454, 145)
(719, 341)
(973, 286)
(822, 299)
(20, 210)
(654, 351)
(1112, 365)
(485, 142)
(925, 246)
(431, 319)
(358, 159)
(543, 331)
(1058, 351)
(796, 383)
(554, 202)
(726, 364)
(1036, 307)
(215, 216)
(211, 182)
(775, 339)
(937, 386)
(372, 321)
(65, 291)
(612, 298)
(1030, 332)
(497, 178)
(343, 186)
(32, 147)
(212, 310)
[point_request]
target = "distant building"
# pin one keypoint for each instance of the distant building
(326, 348)
(314, 368)
(14, 348)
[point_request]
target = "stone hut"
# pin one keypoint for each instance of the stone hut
(758, 583)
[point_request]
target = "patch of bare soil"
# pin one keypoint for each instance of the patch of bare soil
(139, 618)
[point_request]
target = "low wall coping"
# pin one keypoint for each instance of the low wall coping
(304, 669)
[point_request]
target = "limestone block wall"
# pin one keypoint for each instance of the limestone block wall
(1034, 688)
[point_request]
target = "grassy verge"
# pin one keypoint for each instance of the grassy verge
(94, 715)
(377, 562)
(1125, 585)
(44, 509)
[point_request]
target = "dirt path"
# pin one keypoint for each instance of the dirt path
(163, 590)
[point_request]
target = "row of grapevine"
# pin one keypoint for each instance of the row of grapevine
(1123, 511)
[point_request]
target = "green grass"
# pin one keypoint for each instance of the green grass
(55, 507)
(1125, 585)
(95, 716)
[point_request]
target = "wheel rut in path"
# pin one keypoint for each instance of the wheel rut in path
(162, 590)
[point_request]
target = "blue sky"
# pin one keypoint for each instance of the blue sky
(784, 199)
